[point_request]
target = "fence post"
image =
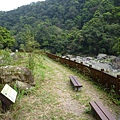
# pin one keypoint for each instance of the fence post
(118, 84)
(81, 66)
(101, 78)
(90, 71)
(90, 66)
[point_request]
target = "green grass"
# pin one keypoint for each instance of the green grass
(53, 98)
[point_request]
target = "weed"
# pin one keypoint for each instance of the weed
(53, 118)
(20, 93)
(5, 59)
(87, 110)
(31, 62)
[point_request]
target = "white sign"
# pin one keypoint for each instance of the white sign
(9, 92)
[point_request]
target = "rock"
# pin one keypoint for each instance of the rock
(112, 57)
(72, 59)
(12, 54)
(109, 63)
(102, 56)
(116, 63)
(22, 86)
(89, 58)
(63, 56)
(69, 56)
(11, 74)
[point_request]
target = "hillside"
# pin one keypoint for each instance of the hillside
(67, 26)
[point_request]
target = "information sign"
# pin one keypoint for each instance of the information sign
(9, 92)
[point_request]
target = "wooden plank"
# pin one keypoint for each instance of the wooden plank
(104, 110)
(74, 77)
(73, 82)
(75, 85)
(100, 114)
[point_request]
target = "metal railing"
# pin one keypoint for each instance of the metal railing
(100, 76)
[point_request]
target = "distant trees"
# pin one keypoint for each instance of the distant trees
(25, 39)
(117, 2)
(66, 26)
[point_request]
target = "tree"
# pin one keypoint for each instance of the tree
(25, 39)
(6, 40)
(118, 46)
(74, 26)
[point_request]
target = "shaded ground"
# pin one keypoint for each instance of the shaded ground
(54, 99)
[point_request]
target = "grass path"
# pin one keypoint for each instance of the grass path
(54, 99)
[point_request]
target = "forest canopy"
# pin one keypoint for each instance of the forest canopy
(65, 26)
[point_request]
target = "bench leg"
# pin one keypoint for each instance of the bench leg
(92, 111)
(94, 114)
(79, 88)
(75, 88)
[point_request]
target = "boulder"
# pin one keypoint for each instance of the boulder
(116, 63)
(22, 85)
(101, 56)
(69, 56)
(12, 75)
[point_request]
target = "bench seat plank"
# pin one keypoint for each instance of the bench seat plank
(100, 112)
(101, 115)
(104, 110)
(75, 83)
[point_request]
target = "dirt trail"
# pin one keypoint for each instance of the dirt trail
(77, 102)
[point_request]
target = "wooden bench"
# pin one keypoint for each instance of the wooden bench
(7, 97)
(76, 85)
(100, 112)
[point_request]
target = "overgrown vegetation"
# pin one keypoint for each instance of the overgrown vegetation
(5, 58)
(66, 26)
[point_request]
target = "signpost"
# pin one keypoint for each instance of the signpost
(7, 96)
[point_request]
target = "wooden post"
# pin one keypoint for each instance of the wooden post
(101, 78)
(118, 76)
(90, 66)
(118, 84)
(79, 67)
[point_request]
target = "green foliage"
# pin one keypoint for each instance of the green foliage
(22, 47)
(31, 62)
(25, 39)
(71, 26)
(6, 40)
(5, 58)
(87, 110)
(20, 93)
(118, 46)
(114, 97)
